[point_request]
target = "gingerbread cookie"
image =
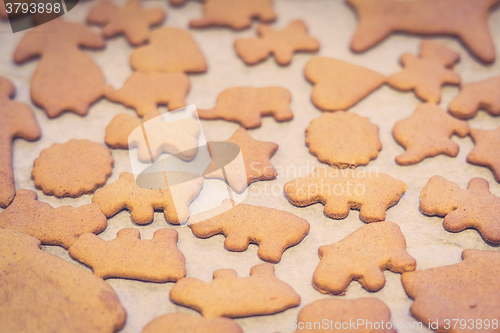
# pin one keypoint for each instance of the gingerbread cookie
(485, 151)
(142, 202)
(372, 193)
(230, 296)
(256, 157)
(237, 15)
(339, 311)
(475, 207)
(177, 3)
(426, 73)
(466, 20)
(73, 168)
(170, 50)
(123, 257)
(446, 296)
(43, 293)
(363, 256)
(17, 120)
(246, 105)
(282, 43)
(338, 85)
(131, 20)
(272, 229)
(52, 226)
(427, 133)
(66, 78)
(475, 96)
(119, 129)
(343, 139)
(144, 91)
(183, 322)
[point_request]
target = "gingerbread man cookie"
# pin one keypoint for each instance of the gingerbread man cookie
(485, 151)
(183, 322)
(475, 96)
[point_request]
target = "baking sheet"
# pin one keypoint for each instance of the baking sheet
(332, 23)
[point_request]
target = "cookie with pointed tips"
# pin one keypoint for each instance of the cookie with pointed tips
(17, 121)
(363, 256)
(485, 151)
(338, 85)
(475, 96)
(282, 43)
(466, 20)
(227, 295)
(170, 50)
(343, 139)
(128, 256)
(475, 207)
(272, 229)
(131, 20)
(426, 73)
(183, 322)
(236, 15)
(247, 105)
(341, 190)
(442, 294)
(427, 133)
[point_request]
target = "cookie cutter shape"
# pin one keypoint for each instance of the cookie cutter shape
(485, 151)
(183, 322)
(475, 96)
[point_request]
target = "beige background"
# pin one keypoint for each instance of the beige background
(333, 23)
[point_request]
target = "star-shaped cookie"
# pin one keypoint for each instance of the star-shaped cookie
(486, 151)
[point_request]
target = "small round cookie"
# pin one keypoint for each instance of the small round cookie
(73, 168)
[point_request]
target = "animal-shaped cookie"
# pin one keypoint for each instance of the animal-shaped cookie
(230, 296)
(426, 73)
(363, 311)
(170, 50)
(475, 207)
(142, 203)
(73, 168)
(52, 226)
(343, 139)
(282, 43)
(475, 96)
(143, 91)
(372, 193)
(464, 19)
(246, 105)
(427, 133)
(17, 120)
(119, 129)
(338, 85)
(363, 256)
(131, 20)
(237, 15)
(446, 296)
(256, 157)
(124, 256)
(183, 322)
(272, 229)
(66, 78)
(44, 293)
(485, 151)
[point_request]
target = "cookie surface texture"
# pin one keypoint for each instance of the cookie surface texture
(485, 151)
(426, 73)
(236, 15)
(43, 293)
(281, 43)
(464, 19)
(246, 105)
(475, 96)
(73, 168)
(227, 295)
(363, 256)
(343, 139)
(52, 226)
(183, 322)
(338, 311)
(427, 133)
(66, 78)
(129, 256)
(372, 193)
(338, 85)
(446, 293)
(170, 50)
(130, 20)
(17, 121)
